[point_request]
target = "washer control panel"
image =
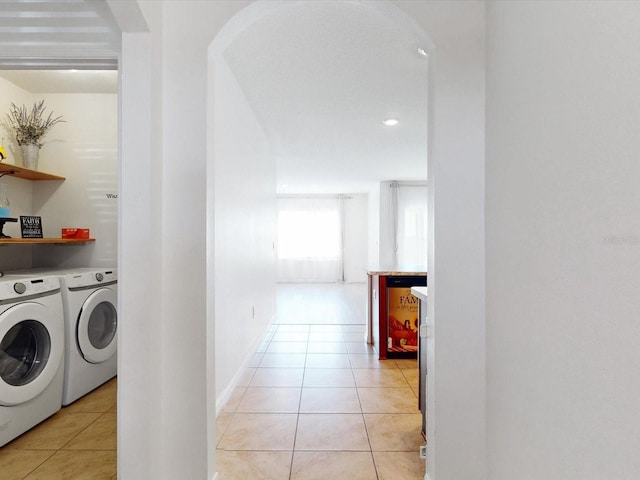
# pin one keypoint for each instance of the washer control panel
(24, 287)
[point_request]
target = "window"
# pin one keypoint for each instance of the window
(309, 239)
(308, 235)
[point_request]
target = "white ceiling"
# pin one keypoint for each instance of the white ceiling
(64, 81)
(58, 36)
(46, 33)
(320, 76)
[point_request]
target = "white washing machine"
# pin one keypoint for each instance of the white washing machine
(89, 299)
(31, 353)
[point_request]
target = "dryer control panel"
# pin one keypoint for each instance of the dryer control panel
(90, 278)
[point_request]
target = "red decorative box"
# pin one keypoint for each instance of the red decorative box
(75, 233)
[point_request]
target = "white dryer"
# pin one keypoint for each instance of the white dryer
(31, 353)
(90, 299)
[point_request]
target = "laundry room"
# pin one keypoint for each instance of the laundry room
(80, 152)
(58, 255)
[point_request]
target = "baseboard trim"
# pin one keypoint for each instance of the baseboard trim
(224, 397)
(427, 477)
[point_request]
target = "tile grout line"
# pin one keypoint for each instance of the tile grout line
(40, 464)
(295, 433)
(366, 429)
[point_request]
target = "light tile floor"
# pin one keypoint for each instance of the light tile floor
(77, 443)
(316, 403)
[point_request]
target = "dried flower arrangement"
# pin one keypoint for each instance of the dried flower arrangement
(31, 125)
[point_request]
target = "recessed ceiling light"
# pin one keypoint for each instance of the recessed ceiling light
(390, 122)
(422, 51)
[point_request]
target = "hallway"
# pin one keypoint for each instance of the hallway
(316, 402)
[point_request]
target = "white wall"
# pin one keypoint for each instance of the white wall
(84, 150)
(355, 237)
(563, 240)
(141, 434)
(188, 29)
(245, 230)
(176, 394)
(166, 413)
(385, 228)
(11, 93)
(19, 191)
(373, 226)
(456, 310)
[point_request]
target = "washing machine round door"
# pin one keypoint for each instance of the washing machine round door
(31, 351)
(97, 326)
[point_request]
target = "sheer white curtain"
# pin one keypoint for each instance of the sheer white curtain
(309, 239)
(410, 223)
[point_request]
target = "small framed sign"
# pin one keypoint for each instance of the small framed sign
(31, 227)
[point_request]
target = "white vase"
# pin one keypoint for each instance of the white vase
(30, 154)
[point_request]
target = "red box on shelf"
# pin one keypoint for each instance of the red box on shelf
(75, 233)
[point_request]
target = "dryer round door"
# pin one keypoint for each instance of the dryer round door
(31, 351)
(97, 326)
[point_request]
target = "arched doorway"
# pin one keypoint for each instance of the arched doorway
(254, 134)
(167, 438)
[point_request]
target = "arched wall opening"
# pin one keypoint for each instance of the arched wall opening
(241, 193)
(169, 437)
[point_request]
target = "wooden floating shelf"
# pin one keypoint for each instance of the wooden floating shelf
(48, 241)
(27, 173)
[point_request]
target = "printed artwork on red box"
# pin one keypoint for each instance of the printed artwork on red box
(403, 320)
